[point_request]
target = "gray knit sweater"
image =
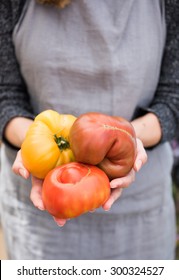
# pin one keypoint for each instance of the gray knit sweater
(14, 98)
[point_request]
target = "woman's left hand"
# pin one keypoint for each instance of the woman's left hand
(117, 185)
(36, 190)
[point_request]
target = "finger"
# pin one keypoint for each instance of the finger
(36, 193)
(141, 157)
(18, 167)
(123, 182)
(92, 211)
(60, 222)
(115, 194)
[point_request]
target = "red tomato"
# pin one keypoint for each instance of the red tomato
(74, 189)
(106, 141)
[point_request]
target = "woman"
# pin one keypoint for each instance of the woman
(103, 56)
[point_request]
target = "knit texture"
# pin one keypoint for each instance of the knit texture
(14, 99)
(166, 102)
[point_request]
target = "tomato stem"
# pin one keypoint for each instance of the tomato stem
(62, 143)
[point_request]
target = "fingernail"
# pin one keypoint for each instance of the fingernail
(23, 173)
(41, 208)
(138, 165)
(107, 207)
(60, 224)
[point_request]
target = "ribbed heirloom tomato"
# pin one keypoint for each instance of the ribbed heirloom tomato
(106, 141)
(74, 189)
(46, 144)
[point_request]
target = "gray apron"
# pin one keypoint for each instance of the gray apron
(100, 56)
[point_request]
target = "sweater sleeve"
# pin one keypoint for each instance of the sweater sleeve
(166, 101)
(14, 99)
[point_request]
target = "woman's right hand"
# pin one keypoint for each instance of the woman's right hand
(36, 191)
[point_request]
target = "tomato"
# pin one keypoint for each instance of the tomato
(46, 144)
(106, 141)
(74, 189)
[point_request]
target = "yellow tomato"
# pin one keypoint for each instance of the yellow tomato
(46, 144)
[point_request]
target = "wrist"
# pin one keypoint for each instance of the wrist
(16, 130)
(148, 129)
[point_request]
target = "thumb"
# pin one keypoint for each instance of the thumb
(18, 166)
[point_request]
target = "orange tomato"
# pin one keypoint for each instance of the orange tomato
(74, 189)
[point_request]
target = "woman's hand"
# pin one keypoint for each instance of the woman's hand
(118, 184)
(148, 132)
(36, 191)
